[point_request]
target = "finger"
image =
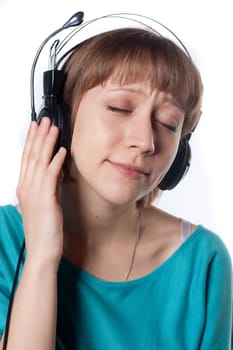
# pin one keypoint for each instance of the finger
(55, 168)
(40, 156)
(46, 148)
(39, 139)
(33, 147)
(33, 158)
(28, 143)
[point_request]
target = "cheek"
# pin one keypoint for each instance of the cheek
(169, 156)
(165, 154)
(92, 136)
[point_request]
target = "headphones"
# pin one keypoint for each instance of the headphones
(59, 112)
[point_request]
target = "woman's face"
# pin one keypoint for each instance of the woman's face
(124, 140)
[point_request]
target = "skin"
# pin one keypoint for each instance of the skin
(118, 129)
(124, 140)
(132, 136)
(33, 318)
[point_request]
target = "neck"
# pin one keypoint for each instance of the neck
(100, 237)
(93, 221)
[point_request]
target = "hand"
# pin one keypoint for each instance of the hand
(38, 193)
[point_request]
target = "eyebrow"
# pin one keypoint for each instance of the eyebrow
(139, 91)
(133, 90)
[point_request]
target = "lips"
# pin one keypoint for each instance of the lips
(130, 170)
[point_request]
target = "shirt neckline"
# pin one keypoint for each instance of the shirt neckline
(86, 277)
(91, 279)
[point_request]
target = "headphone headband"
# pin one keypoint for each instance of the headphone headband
(77, 21)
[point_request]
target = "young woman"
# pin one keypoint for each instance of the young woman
(104, 268)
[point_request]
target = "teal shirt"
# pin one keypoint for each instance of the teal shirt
(184, 304)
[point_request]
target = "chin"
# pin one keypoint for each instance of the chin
(122, 198)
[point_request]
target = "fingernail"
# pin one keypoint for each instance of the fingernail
(33, 124)
(45, 120)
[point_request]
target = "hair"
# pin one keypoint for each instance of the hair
(131, 55)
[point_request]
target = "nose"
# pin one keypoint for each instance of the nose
(140, 134)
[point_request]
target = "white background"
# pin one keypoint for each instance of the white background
(205, 27)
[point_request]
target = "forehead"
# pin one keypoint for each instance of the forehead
(140, 89)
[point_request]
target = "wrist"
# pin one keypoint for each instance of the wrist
(41, 263)
(42, 254)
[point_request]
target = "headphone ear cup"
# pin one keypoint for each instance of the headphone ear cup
(179, 166)
(64, 121)
(60, 115)
(55, 108)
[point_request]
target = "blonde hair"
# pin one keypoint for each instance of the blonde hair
(130, 55)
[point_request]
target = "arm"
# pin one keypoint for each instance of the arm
(217, 333)
(33, 318)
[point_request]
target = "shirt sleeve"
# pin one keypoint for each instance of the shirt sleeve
(217, 332)
(11, 238)
(4, 293)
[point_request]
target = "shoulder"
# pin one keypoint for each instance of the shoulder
(10, 218)
(211, 244)
(11, 230)
(8, 213)
(11, 238)
(209, 257)
(202, 247)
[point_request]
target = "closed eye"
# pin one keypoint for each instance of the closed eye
(118, 109)
(168, 126)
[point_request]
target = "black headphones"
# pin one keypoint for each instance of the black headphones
(59, 111)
